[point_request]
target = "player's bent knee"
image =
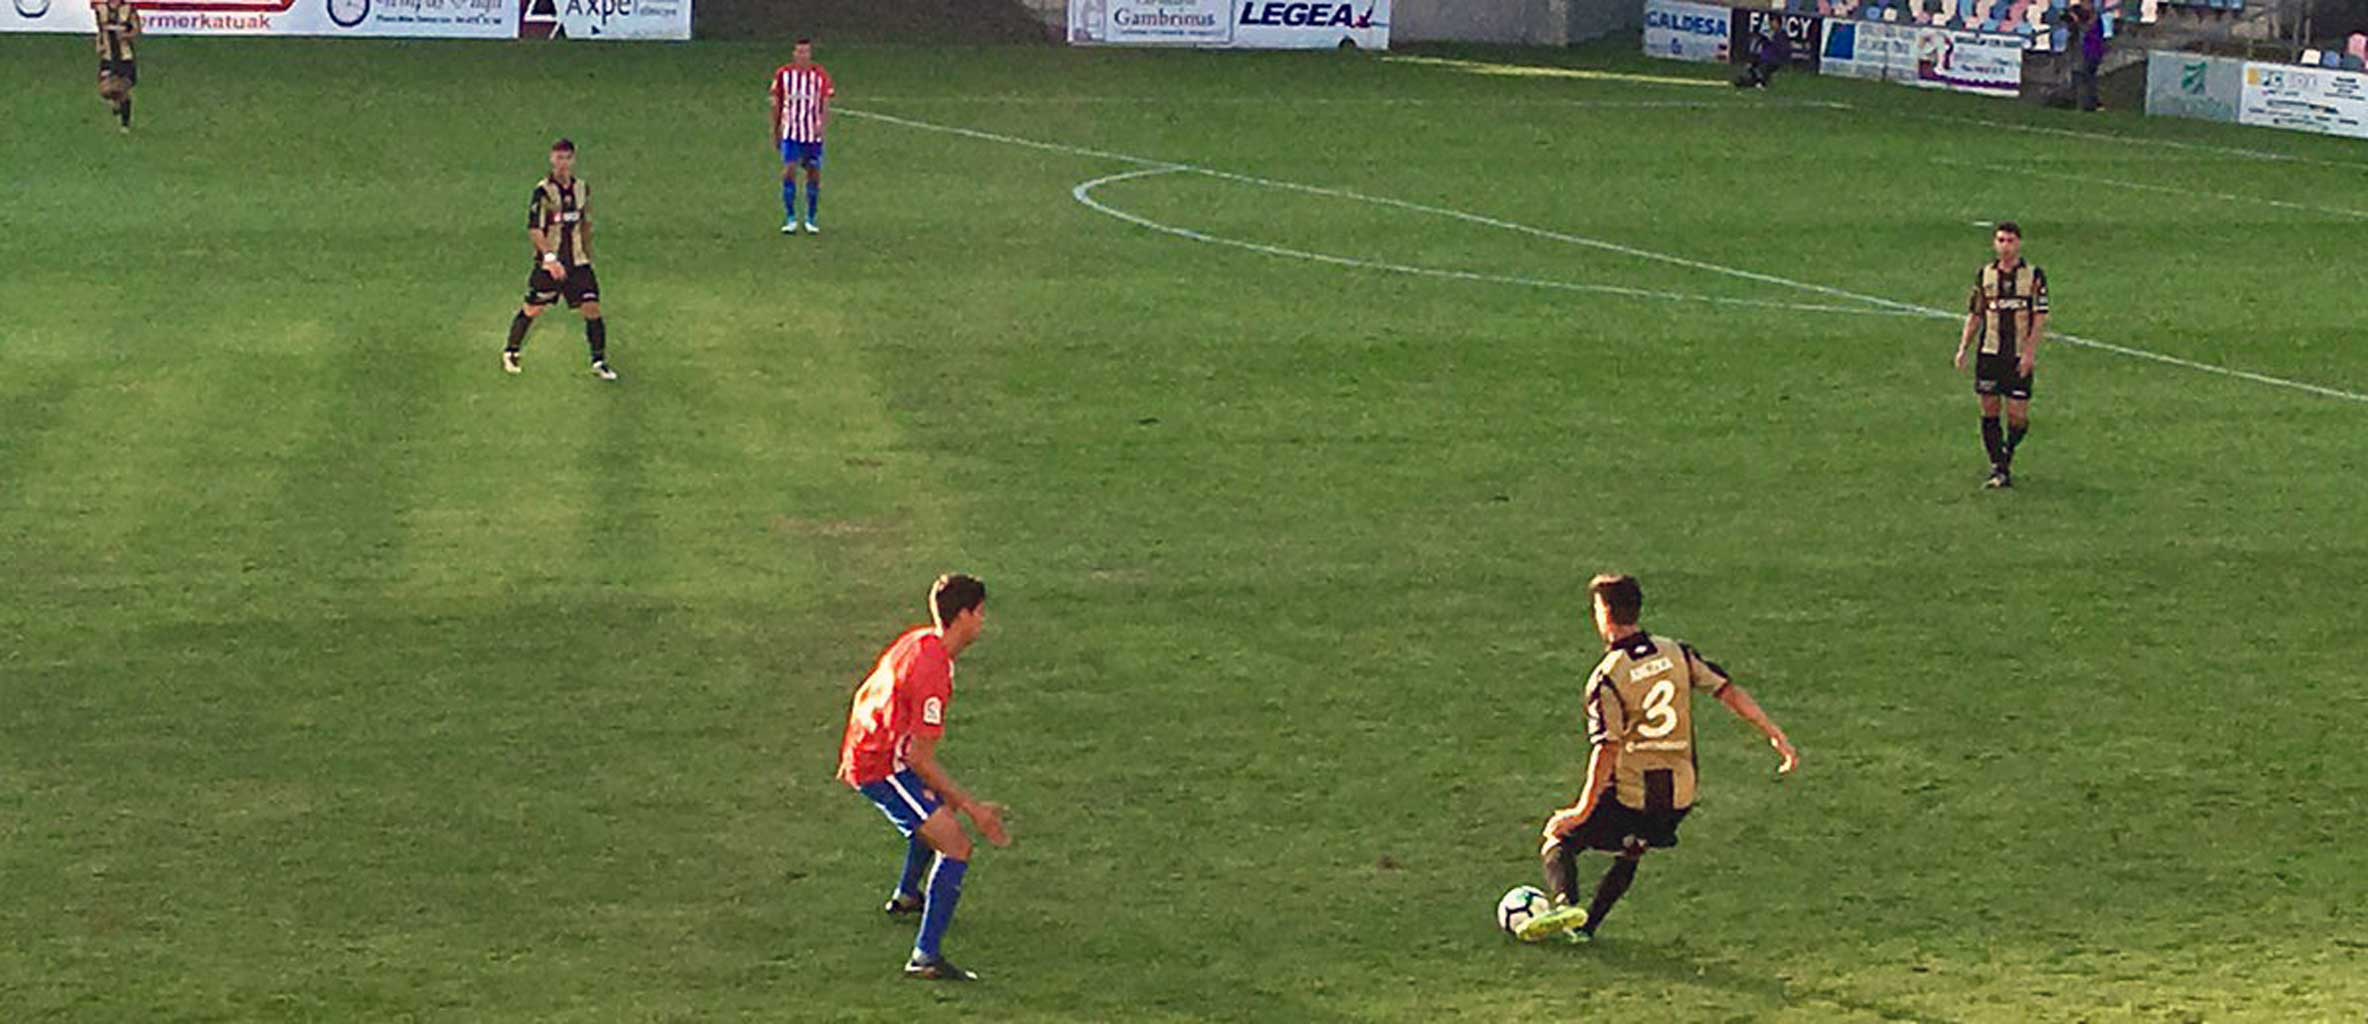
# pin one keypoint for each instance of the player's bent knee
(591, 311)
(944, 834)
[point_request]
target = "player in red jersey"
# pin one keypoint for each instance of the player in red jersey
(890, 756)
(802, 92)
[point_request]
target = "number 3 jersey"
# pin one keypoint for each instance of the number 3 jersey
(1640, 701)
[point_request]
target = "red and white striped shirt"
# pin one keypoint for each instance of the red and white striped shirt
(801, 101)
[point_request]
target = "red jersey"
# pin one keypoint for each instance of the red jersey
(905, 696)
(801, 101)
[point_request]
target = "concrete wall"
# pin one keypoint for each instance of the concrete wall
(1521, 22)
(1597, 19)
(1513, 22)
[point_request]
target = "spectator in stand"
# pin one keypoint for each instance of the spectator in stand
(2088, 31)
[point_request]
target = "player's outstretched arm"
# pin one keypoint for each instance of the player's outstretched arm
(1739, 701)
(987, 816)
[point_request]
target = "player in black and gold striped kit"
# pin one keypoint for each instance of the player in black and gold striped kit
(1641, 770)
(2008, 312)
(119, 30)
(559, 223)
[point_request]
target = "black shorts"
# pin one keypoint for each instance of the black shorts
(1613, 824)
(128, 70)
(579, 287)
(2002, 376)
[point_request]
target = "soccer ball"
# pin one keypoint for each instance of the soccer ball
(1521, 903)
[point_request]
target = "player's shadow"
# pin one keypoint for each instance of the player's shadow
(1676, 965)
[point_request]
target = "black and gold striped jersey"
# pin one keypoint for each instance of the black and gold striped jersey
(2005, 302)
(119, 28)
(1640, 701)
(563, 212)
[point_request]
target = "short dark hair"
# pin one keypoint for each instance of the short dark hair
(953, 594)
(1621, 595)
(805, 41)
(2011, 228)
(563, 146)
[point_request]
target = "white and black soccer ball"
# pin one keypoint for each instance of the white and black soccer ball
(1520, 904)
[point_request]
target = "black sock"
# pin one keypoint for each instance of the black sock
(1992, 442)
(1607, 892)
(126, 110)
(596, 335)
(2015, 433)
(518, 326)
(1562, 873)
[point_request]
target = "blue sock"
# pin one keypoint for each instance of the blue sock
(916, 864)
(945, 890)
(789, 199)
(813, 199)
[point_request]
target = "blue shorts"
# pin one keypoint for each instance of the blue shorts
(903, 798)
(801, 154)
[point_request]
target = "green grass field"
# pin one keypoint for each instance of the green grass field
(344, 678)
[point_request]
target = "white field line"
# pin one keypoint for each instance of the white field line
(1083, 193)
(2131, 140)
(1580, 240)
(1742, 105)
(2226, 197)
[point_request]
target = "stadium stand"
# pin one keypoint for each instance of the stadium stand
(2157, 24)
(2037, 20)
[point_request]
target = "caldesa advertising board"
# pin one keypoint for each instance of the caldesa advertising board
(1681, 31)
(2305, 99)
(1242, 24)
(447, 19)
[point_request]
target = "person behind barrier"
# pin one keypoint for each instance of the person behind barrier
(1769, 51)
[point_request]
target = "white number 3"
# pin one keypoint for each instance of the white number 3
(1660, 718)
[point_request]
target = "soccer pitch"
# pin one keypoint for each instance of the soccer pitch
(1286, 403)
